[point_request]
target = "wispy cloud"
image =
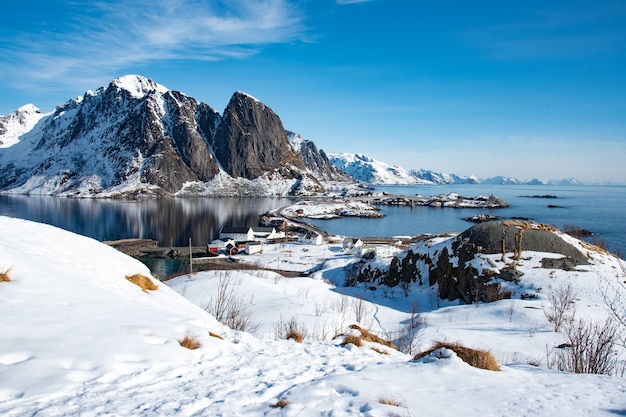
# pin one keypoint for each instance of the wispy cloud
(106, 36)
(352, 1)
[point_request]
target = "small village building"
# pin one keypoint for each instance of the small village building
(351, 243)
(217, 245)
(312, 239)
(263, 234)
(253, 247)
(241, 234)
(249, 234)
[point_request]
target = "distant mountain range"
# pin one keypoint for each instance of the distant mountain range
(374, 172)
(136, 138)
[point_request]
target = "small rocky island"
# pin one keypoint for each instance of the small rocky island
(366, 206)
(451, 200)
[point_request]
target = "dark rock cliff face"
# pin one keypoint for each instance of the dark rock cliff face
(461, 273)
(251, 141)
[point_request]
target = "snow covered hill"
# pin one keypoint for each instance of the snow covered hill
(78, 338)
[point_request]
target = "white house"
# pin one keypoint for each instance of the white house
(266, 233)
(239, 234)
(253, 247)
(248, 234)
(351, 243)
(312, 239)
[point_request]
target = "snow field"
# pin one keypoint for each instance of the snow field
(79, 339)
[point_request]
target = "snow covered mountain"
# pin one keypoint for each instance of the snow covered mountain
(136, 137)
(372, 171)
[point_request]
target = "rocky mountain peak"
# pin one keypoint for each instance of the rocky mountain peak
(251, 141)
(137, 85)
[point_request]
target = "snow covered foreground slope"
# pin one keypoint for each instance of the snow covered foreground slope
(79, 340)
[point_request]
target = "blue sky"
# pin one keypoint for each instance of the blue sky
(533, 89)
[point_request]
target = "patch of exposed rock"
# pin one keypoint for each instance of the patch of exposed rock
(459, 268)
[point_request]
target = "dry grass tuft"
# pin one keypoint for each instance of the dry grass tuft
(295, 336)
(4, 275)
(190, 342)
(370, 337)
(388, 401)
(482, 359)
(217, 336)
(280, 404)
(143, 282)
(355, 340)
(382, 352)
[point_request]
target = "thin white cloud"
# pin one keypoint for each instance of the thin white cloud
(352, 1)
(106, 37)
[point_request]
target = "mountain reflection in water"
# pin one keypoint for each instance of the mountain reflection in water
(171, 221)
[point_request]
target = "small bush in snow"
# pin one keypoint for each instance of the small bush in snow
(383, 399)
(4, 275)
(589, 348)
(189, 342)
(142, 282)
(290, 330)
(230, 309)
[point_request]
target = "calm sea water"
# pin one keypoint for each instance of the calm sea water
(599, 209)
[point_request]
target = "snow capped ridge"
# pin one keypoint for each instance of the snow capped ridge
(138, 86)
(18, 123)
(367, 169)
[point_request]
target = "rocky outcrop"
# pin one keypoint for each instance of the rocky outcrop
(462, 268)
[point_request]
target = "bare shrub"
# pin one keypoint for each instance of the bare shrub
(561, 307)
(407, 337)
(189, 342)
(290, 329)
(617, 308)
(230, 309)
(589, 348)
(600, 243)
(5, 274)
(215, 335)
(362, 310)
(142, 282)
(576, 231)
(482, 359)
(383, 399)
